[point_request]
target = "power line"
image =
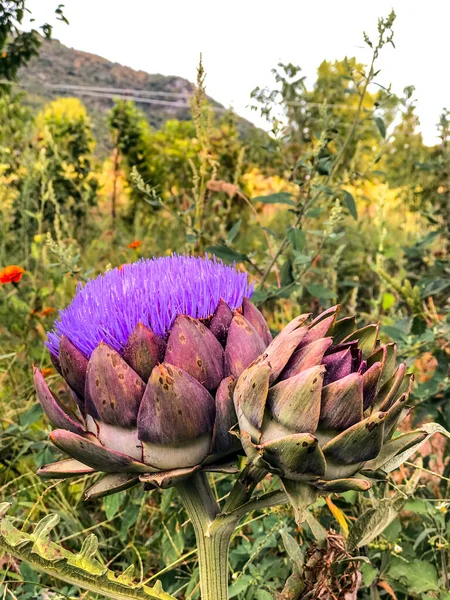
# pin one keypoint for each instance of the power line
(122, 94)
(114, 90)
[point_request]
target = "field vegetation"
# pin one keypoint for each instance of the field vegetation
(340, 202)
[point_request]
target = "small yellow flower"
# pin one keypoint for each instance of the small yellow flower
(442, 507)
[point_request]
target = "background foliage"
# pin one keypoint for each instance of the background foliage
(341, 202)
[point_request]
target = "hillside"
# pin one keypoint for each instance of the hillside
(62, 71)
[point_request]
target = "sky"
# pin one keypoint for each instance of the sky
(242, 40)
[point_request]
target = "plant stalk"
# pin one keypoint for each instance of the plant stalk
(212, 542)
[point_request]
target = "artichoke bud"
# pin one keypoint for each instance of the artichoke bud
(321, 405)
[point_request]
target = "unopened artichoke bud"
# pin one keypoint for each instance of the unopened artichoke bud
(151, 353)
(320, 406)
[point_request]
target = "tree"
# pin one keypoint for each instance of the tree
(18, 47)
(131, 134)
(65, 139)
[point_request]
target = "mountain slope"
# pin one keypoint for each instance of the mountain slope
(62, 71)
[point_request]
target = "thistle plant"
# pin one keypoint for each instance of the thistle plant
(174, 373)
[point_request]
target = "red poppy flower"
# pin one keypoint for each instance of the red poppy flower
(135, 244)
(11, 274)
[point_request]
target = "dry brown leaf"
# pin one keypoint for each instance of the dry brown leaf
(218, 185)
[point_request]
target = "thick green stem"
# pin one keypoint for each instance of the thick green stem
(212, 542)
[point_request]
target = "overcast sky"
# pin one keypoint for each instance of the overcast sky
(242, 40)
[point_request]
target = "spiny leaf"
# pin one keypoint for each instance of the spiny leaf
(75, 569)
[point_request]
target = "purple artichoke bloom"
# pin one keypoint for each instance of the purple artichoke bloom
(321, 404)
(151, 353)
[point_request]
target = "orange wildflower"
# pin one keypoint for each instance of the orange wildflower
(11, 274)
(47, 311)
(135, 244)
(47, 372)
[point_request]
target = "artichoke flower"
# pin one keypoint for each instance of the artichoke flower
(320, 406)
(151, 353)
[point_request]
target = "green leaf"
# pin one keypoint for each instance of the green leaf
(418, 576)
(278, 198)
(31, 416)
(263, 595)
(241, 585)
(372, 523)
(430, 429)
(324, 166)
(350, 203)
(381, 126)
(388, 301)
(319, 291)
(297, 237)
(369, 574)
(234, 231)
(112, 504)
(227, 254)
(292, 548)
(301, 259)
(286, 273)
(260, 296)
(435, 287)
(314, 213)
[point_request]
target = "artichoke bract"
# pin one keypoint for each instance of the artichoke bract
(320, 406)
(151, 353)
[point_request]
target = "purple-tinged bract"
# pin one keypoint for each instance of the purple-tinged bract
(152, 292)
